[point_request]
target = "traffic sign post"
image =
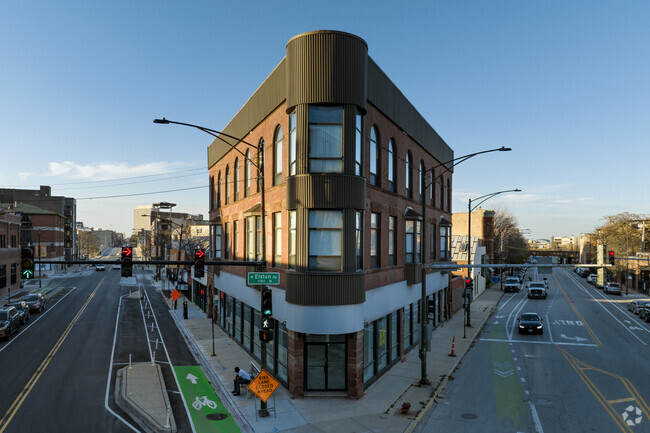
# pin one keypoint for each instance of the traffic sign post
(263, 385)
(263, 278)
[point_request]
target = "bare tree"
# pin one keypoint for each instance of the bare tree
(510, 244)
(622, 233)
(89, 244)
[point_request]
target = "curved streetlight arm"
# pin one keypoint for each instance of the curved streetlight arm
(216, 134)
(460, 159)
(487, 197)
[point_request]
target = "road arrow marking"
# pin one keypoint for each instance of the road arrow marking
(191, 378)
(578, 339)
(504, 374)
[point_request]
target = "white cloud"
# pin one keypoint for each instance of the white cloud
(23, 176)
(108, 170)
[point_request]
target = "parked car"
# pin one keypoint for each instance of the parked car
(613, 288)
(9, 322)
(116, 266)
(35, 302)
(537, 289)
(635, 305)
(584, 272)
(22, 309)
(511, 284)
(530, 323)
(100, 267)
(591, 279)
(644, 313)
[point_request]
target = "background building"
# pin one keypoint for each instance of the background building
(43, 198)
(345, 163)
(10, 255)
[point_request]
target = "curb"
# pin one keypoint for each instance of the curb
(444, 382)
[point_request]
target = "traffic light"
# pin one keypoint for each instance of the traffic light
(469, 284)
(127, 262)
(199, 263)
(27, 262)
(267, 302)
(612, 258)
(266, 336)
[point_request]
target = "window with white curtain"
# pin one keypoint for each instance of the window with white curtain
(325, 240)
(325, 139)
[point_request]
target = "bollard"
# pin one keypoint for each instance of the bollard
(156, 344)
(184, 309)
(169, 411)
(129, 361)
(151, 326)
(453, 345)
(153, 357)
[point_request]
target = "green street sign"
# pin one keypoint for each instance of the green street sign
(264, 278)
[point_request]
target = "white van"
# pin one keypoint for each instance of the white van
(537, 289)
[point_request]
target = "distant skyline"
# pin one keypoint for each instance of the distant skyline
(564, 84)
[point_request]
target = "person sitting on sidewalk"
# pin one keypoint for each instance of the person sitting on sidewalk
(241, 378)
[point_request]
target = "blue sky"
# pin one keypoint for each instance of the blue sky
(564, 84)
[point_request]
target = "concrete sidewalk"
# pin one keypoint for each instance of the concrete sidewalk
(378, 410)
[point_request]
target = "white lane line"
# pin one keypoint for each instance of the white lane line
(610, 313)
(559, 343)
(110, 370)
(550, 334)
(509, 299)
(536, 421)
(146, 330)
(178, 385)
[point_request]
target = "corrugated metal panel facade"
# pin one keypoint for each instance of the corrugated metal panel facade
(384, 95)
(322, 289)
(326, 67)
(266, 98)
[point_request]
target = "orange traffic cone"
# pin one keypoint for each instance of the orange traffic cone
(453, 345)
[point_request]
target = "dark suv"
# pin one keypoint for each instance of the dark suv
(23, 310)
(9, 322)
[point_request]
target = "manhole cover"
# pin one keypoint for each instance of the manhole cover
(216, 416)
(469, 416)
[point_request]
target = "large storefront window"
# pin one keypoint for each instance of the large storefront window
(368, 352)
(326, 366)
(382, 344)
(247, 327)
(325, 139)
(394, 336)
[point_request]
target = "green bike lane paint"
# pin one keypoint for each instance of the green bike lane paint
(207, 411)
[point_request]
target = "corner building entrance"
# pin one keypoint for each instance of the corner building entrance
(325, 362)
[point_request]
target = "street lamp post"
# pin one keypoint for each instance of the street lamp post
(482, 199)
(260, 175)
(423, 301)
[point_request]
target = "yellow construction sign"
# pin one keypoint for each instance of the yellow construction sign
(263, 385)
(175, 295)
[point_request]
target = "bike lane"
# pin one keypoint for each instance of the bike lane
(206, 410)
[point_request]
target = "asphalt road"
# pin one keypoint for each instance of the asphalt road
(58, 373)
(588, 372)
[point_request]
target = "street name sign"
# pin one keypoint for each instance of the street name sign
(263, 385)
(263, 278)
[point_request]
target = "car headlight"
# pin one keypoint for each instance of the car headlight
(521, 326)
(539, 327)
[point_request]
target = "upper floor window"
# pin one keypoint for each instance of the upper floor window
(392, 239)
(409, 177)
(236, 179)
(423, 172)
(432, 241)
(448, 196)
(217, 242)
(277, 239)
(445, 239)
(409, 241)
(392, 165)
(374, 240)
(442, 194)
(358, 145)
(219, 190)
(226, 240)
(247, 174)
(253, 238)
(277, 156)
(292, 240)
(358, 241)
(374, 156)
(227, 185)
(325, 240)
(292, 144)
(325, 139)
(235, 240)
(213, 200)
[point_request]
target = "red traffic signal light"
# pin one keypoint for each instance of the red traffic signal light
(612, 258)
(127, 262)
(468, 280)
(199, 263)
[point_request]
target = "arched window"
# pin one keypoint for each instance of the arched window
(259, 163)
(442, 193)
(448, 195)
(292, 144)
(422, 180)
(409, 176)
(236, 179)
(277, 156)
(247, 174)
(212, 198)
(219, 190)
(226, 188)
(374, 156)
(392, 165)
